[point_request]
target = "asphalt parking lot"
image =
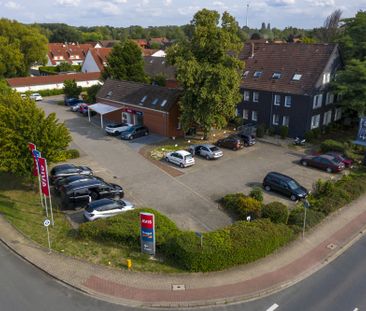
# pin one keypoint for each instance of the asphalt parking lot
(191, 198)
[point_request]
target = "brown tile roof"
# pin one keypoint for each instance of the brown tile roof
(100, 56)
(161, 40)
(67, 50)
(308, 60)
(139, 94)
(141, 42)
(154, 66)
(148, 52)
(54, 79)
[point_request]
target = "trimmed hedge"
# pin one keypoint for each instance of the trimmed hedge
(49, 92)
(242, 206)
(332, 145)
(241, 243)
(296, 217)
(257, 193)
(277, 212)
(72, 153)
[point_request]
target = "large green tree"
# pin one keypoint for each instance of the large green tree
(21, 121)
(209, 70)
(71, 89)
(125, 63)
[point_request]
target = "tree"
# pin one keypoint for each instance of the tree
(351, 84)
(21, 121)
(208, 69)
(330, 29)
(71, 89)
(92, 93)
(126, 63)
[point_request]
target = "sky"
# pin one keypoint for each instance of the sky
(122, 13)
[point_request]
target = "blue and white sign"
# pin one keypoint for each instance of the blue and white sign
(361, 135)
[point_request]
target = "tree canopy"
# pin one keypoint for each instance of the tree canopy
(125, 62)
(71, 89)
(209, 70)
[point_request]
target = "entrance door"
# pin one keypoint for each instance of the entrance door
(139, 119)
(127, 118)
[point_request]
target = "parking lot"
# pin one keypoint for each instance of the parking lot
(191, 198)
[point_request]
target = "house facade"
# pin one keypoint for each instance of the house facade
(288, 85)
(142, 104)
(73, 53)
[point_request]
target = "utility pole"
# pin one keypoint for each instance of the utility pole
(246, 18)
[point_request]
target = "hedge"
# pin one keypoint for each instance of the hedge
(242, 206)
(313, 217)
(277, 212)
(240, 243)
(332, 145)
(49, 92)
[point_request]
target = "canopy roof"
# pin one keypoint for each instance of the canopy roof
(103, 108)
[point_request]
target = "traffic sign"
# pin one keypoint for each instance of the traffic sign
(47, 222)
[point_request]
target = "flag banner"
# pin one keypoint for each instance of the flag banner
(43, 172)
(361, 134)
(32, 147)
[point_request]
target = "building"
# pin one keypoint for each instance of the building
(96, 59)
(153, 106)
(288, 84)
(52, 82)
(73, 53)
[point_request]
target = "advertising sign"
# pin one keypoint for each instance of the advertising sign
(147, 233)
(36, 155)
(361, 135)
(32, 147)
(42, 164)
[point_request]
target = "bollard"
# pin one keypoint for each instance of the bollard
(129, 264)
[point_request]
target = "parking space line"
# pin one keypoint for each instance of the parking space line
(273, 307)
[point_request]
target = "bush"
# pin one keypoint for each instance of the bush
(241, 243)
(271, 131)
(257, 193)
(242, 205)
(73, 153)
(283, 132)
(237, 121)
(309, 136)
(332, 145)
(261, 129)
(276, 212)
(50, 92)
(296, 217)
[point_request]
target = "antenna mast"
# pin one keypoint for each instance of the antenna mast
(246, 18)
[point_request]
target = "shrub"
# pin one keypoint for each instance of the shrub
(237, 121)
(257, 193)
(271, 131)
(231, 201)
(276, 212)
(261, 129)
(332, 145)
(73, 153)
(249, 207)
(309, 136)
(50, 92)
(296, 217)
(283, 131)
(241, 243)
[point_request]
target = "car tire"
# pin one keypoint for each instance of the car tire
(304, 163)
(293, 198)
(246, 145)
(167, 159)
(267, 188)
(207, 157)
(117, 133)
(181, 165)
(94, 195)
(131, 137)
(329, 170)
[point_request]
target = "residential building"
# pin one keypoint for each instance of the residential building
(72, 53)
(288, 84)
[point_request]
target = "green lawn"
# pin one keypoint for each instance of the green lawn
(20, 205)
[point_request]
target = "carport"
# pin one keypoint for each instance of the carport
(102, 109)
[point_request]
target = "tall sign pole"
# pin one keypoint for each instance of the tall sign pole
(35, 154)
(147, 233)
(45, 185)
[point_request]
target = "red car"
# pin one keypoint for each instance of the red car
(325, 162)
(347, 162)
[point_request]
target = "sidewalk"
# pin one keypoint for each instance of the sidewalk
(277, 271)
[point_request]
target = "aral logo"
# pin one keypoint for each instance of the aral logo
(147, 221)
(43, 176)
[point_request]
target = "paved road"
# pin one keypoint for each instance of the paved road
(340, 286)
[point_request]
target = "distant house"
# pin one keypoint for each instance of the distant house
(153, 106)
(96, 60)
(73, 53)
(142, 43)
(162, 41)
(52, 82)
(288, 85)
(157, 66)
(106, 43)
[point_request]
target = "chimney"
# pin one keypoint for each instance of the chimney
(252, 46)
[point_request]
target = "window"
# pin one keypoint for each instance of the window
(245, 114)
(338, 114)
(277, 100)
(276, 75)
(245, 74)
(257, 74)
(275, 119)
(315, 120)
(329, 99)
(254, 116)
(296, 77)
(327, 118)
(155, 101)
(288, 101)
(255, 97)
(317, 102)
(163, 103)
(326, 78)
(143, 99)
(286, 121)
(246, 96)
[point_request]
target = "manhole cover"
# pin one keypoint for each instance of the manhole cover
(331, 246)
(178, 287)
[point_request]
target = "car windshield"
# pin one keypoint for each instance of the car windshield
(293, 184)
(188, 157)
(129, 130)
(336, 160)
(213, 149)
(116, 125)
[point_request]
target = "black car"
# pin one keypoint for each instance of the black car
(72, 101)
(81, 193)
(135, 131)
(70, 180)
(285, 185)
(248, 140)
(230, 142)
(65, 170)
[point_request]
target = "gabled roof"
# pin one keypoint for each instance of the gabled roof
(66, 50)
(139, 94)
(54, 79)
(157, 66)
(100, 56)
(288, 59)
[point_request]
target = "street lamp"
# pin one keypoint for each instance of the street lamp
(306, 204)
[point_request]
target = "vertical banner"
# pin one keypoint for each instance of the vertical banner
(32, 147)
(42, 165)
(147, 233)
(361, 134)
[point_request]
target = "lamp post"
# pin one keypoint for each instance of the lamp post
(306, 204)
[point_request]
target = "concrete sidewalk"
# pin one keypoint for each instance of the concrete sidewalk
(277, 271)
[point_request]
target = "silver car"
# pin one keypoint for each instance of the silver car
(117, 128)
(105, 208)
(207, 151)
(180, 157)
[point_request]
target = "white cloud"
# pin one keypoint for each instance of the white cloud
(167, 2)
(68, 2)
(281, 2)
(189, 10)
(12, 5)
(119, 1)
(321, 3)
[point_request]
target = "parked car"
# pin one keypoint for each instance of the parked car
(72, 101)
(70, 180)
(230, 142)
(65, 170)
(89, 190)
(206, 150)
(285, 185)
(324, 162)
(134, 132)
(76, 107)
(117, 128)
(36, 96)
(346, 161)
(106, 208)
(181, 158)
(248, 140)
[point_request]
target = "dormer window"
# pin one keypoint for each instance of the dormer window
(257, 74)
(109, 94)
(163, 103)
(276, 75)
(144, 98)
(245, 74)
(326, 78)
(297, 77)
(155, 101)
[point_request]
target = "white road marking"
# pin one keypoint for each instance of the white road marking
(273, 307)
(355, 309)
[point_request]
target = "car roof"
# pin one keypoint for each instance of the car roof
(282, 176)
(182, 152)
(85, 183)
(63, 167)
(327, 156)
(101, 202)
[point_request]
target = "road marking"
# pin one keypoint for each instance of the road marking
(273, 307)
(355, 309)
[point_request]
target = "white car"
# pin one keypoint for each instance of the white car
(105, 208)
(181, 157)
(117, 128)
(207, 151)
(36, 97)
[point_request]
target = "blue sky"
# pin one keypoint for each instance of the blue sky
(122, 13)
